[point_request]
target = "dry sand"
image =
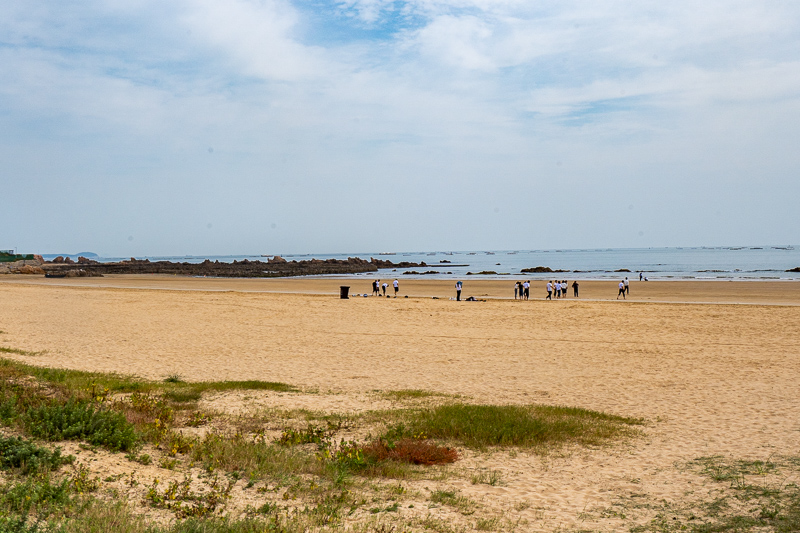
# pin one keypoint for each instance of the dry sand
(713, 377)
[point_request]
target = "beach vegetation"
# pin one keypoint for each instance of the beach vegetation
(318, 473)
(76, 420)
(413, 394)
(537, 427)
(17, 351)
(26, 457)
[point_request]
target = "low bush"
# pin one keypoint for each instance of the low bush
(409, 450)
(21, 454)
(75, 420)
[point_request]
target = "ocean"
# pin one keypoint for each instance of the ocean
(696, 263)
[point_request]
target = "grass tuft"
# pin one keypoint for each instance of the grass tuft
(481, 426)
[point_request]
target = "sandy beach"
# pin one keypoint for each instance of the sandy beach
(712, 366)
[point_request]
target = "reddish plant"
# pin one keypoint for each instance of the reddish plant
(415, 451)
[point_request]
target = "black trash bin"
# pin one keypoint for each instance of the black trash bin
(344, 292)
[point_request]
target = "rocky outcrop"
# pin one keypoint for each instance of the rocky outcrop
(29, 269)
(537, 270)
(237, 269)
(795, 269)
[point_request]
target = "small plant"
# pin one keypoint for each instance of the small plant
(179, 497)
(197, 419)
(81, 481)
(143, 459)
(486, 477)
(310, 435)
(168, 463)
(173, 378)
(21, 454)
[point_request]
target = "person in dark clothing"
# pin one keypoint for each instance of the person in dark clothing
(575, 288)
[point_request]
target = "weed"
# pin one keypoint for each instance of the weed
(168, 463)
(183, 395)
(452, 498)
(173, 378)
(310, 435)
(81, 482)
(197, 419)
(143, 459)
(21, 454)
(486, 477)
(5, 349)
(179, 497)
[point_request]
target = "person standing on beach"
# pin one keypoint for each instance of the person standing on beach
(575, 288)
(549, 291)
(396, 286)
(641, 275)
(384, 287)
(375, 287)
(627, 286)
(516, 289)
(564, 287)
(458, 291)
(621, 290)
(526, 290)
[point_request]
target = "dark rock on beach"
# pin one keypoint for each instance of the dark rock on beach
(795, 269)
(274, 267)
(536, 270)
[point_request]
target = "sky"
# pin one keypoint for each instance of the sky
(208, 127)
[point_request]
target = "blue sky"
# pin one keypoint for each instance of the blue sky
(271, 126)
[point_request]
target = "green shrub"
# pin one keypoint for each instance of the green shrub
(36, 494)
(22, 454)
(79, 421)
(18, 525)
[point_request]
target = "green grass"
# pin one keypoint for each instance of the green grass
(6, 349)
(536, 426)
(745, 496)
(203, 386)
(411, 394)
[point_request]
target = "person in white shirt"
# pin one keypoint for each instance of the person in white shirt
(458, 291)
(526, 290)
(384, 287)
(621, 290)
(627, 286)
(549, 290)
(396, 287)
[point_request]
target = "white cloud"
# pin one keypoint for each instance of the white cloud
(257, 35)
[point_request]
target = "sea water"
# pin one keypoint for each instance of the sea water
(699, 263)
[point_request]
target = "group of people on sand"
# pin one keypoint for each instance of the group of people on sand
(377, 287)
(624, 288)
(560, 289)
(522, 289)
